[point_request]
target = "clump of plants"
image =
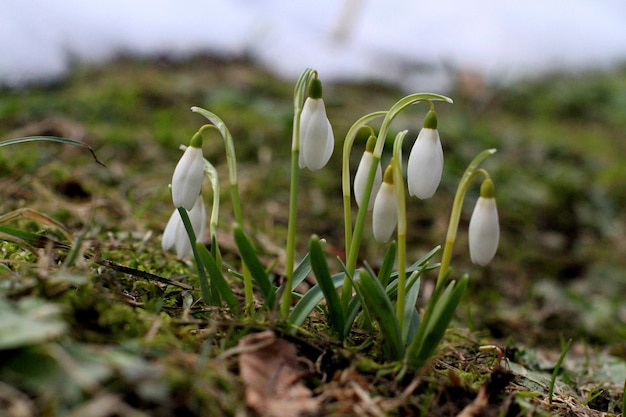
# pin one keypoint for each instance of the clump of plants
(349, 294)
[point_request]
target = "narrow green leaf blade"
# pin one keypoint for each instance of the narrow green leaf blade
(310, 300)
(375, 300)
(259, 275)
(386, 268)
(436, 324)
(217, 277)
(324, 280)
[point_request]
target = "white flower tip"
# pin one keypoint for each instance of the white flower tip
(484, 231)
(425, 165)
(360, 180)
(187, 178)
(385, 214)
(317, 140)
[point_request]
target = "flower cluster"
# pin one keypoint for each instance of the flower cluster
(424, 172)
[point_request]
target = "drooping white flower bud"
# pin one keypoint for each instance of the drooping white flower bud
(188, 174)
(425, 164)
(484, 228)
(385, 214)
(362, 172)
(316, 134)
(175, 235)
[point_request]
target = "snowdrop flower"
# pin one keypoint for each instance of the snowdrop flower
(425, 160)
(385, 214)
(484, 230)
(316, 134)
(175, 236)
(188, 174)
(362, 172)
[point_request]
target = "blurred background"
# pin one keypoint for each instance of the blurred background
(397, 41)
(543, 82)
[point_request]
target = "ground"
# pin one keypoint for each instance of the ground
(123, 331)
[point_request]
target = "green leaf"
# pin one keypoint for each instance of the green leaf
(435, 322)
(310, 300)
(375, 301)
(324, 280)
(218, 282)
(259, 275)
(411, 315)
(386, 268)
(302, 270)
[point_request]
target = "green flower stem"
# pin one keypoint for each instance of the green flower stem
(211, 173)
(231, 161)
(346, 294)
(204, 282)
(298, 101)
(398, 181)
(453, 225)
(353, 251)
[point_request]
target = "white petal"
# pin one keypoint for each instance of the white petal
(183, 245)
(425, 164)
(197, 216)
(360, 179)
(175, 235)
(484, 231)
(187, 178)
(169, 234)
(316, 135)
(385, 214)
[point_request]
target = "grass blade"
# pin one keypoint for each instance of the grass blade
(65, 141)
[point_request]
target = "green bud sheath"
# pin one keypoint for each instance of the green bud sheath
(196, 141)
(371, 144)
(486, 188)
(430, 121)
(388, 176)
(315, 88)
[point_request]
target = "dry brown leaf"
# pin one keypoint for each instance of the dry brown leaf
(270, 371)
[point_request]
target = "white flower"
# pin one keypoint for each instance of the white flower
(175, 236)
(316, 135)
(425, 164)
(187, 178)
(360, 179)
(484, 231)
(385, 214)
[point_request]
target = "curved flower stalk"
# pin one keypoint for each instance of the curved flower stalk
(453, 224)
(425, 164)
(316, 134)
(175, 235)
(362, 172)
(385, 214)
(188, 174)
(484, 228)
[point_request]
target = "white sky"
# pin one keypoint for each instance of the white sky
(343, 39)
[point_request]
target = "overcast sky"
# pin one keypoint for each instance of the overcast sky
(351, 39)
